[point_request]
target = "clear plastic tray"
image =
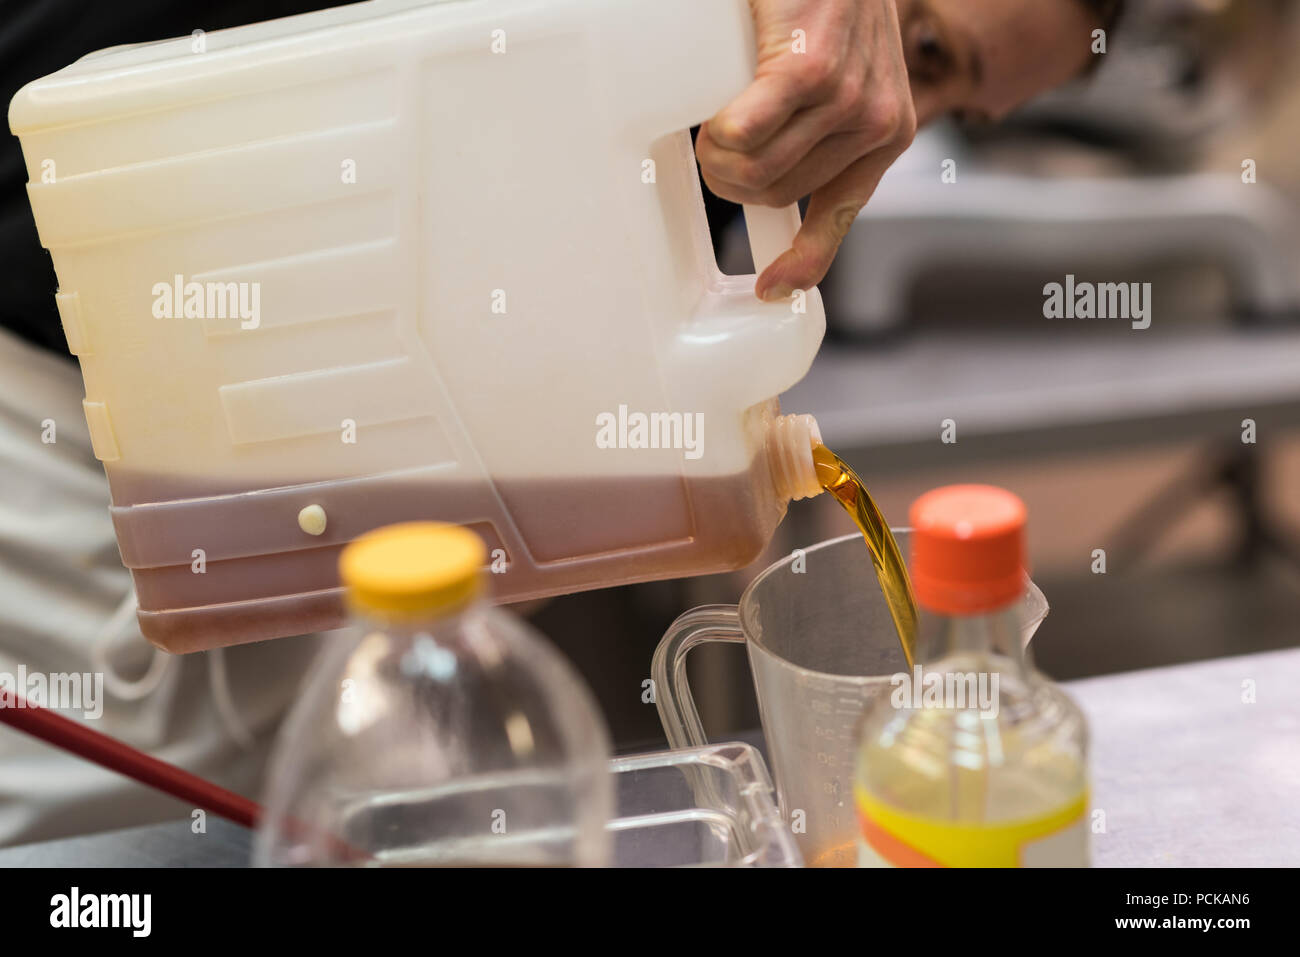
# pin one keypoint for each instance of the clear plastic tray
(699, 807)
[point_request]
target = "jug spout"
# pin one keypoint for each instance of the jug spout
(790, 441)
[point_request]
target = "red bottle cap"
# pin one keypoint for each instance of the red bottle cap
(968, 549)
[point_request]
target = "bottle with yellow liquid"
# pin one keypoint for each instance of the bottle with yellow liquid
(975, 759)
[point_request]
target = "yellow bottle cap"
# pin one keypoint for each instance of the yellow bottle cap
(413, 569)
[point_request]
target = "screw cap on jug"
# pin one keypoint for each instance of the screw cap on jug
(968, 549)
(790, 441)
(413, 570)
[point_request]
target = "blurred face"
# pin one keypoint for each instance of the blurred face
(979, 59)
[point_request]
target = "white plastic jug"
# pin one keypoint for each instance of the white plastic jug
(410, 260)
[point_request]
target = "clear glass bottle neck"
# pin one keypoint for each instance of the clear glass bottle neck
(996, 632)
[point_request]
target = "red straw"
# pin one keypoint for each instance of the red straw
(97, 747)
(55, 729)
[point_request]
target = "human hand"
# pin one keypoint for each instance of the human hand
(824, 120)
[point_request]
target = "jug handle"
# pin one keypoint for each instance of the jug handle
(771, 232)
(673, 697)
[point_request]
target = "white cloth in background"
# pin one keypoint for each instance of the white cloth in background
(61, 583)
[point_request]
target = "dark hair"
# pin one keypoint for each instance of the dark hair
(1107, 11)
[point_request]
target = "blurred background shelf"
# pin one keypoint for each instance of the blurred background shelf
(1114, 387)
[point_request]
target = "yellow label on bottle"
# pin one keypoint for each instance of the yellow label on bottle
(892, 838)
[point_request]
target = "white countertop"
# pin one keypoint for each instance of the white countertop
(1189, 774)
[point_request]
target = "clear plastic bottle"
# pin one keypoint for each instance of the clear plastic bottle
(976, 759)
(439, 730)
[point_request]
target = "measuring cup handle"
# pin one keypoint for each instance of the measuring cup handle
(668, 669)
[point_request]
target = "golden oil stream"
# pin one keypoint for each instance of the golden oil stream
(843, 483)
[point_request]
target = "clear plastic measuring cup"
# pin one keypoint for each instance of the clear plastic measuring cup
(821, 646)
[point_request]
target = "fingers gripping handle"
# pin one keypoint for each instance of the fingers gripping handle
(673, 697)
(771, 232)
